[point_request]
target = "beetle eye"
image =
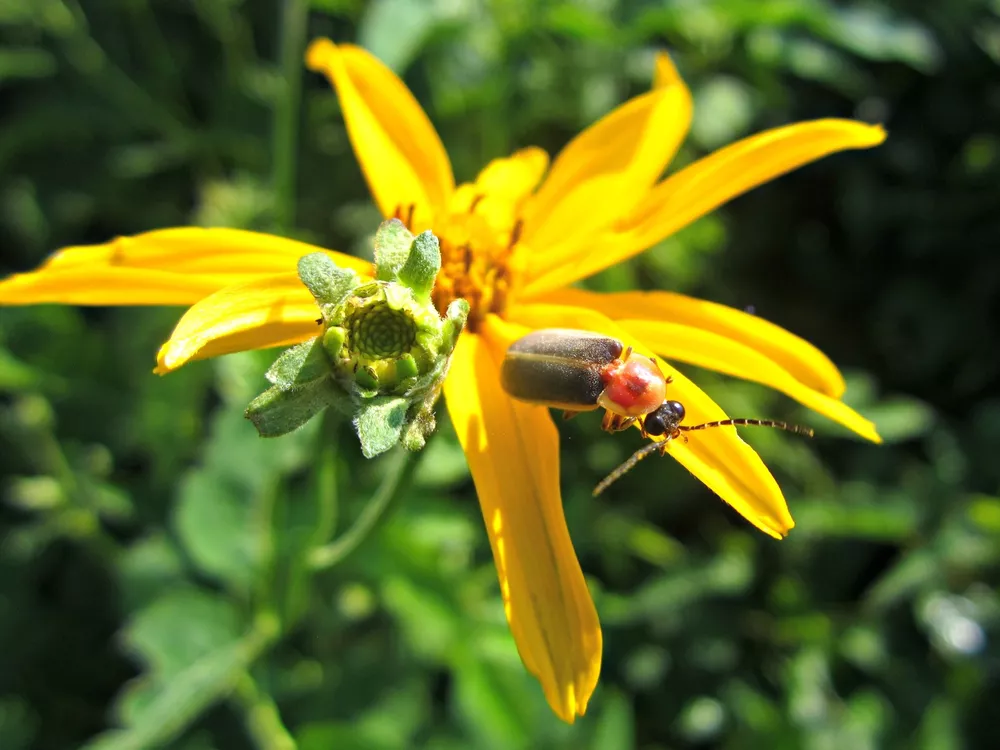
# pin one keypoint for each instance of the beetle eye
(677, 408)
(654, 424)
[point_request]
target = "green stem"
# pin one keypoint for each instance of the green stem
(263, 720)
(285, 125)
(398, 477)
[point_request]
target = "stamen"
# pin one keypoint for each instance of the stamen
(515, 233)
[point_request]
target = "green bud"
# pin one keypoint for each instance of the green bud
(382, 352)
(422, 265)
(392, 247)
(328, 282)
(333, 341)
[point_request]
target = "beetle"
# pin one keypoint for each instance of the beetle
(580, 371)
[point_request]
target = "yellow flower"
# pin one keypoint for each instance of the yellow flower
(512, 242)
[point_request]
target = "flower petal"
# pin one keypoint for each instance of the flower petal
(701, 188)
(604, 172)
(502, 187)
(719, 458)
(107, 286)
(802, 360)
(165, 267)
(399, 151)
(513, 452)
(715, 352)
(258, 314)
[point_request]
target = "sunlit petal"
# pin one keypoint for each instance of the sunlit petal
(164, 267)
(702, 187)
(802, 360)
(513, 453)
(78, 285)
(715, 352)
(398, 148)
(719, 458)
(200, 250)
(263, 313)
(604, 172)
(502, 187)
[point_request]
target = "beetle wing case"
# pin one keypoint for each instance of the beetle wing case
(559, 368)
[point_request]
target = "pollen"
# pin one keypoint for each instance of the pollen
(476, 262)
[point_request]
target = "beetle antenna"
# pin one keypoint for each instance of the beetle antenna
(797, 429)
(626, 467)
(661, 446)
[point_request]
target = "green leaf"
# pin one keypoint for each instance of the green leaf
(616, 724)
(493, 700)
(178, 629)
(277, 412)
(27, 62)
(901, 418)
(191, 643)
(379, 423)
(326, 281)
(395, 30)
(149, 567)
(303, 363)
(392, 249)
(422, 265)
(17, 725)
(214, 519)
(390, 724)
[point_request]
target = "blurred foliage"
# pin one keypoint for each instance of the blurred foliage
(165, 575)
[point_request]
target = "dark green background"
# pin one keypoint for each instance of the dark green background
(144, 525)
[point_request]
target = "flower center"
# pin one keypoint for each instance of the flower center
(378, 331)
(475, 263)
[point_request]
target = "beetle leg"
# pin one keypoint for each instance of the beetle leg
(616, 422)
(624, 423)
(569, 414)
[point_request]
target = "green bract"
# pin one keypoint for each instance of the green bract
(381, 354)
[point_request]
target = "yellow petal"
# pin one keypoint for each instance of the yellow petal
(262, 313)
(664, 72)
(701, 188)
(715, 352)
(398, 149)
(802, 360)
(603, 173)
(165, 267)
(513, 177)
(501, 187)
(201, 250)
(107, 286)
(719, 458)
(513, 453)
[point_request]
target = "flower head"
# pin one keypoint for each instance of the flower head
(512, 241)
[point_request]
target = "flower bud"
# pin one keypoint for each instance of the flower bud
(383, 350)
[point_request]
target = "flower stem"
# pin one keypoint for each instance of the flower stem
(285, 125)
(263, 721)
(397, 477)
